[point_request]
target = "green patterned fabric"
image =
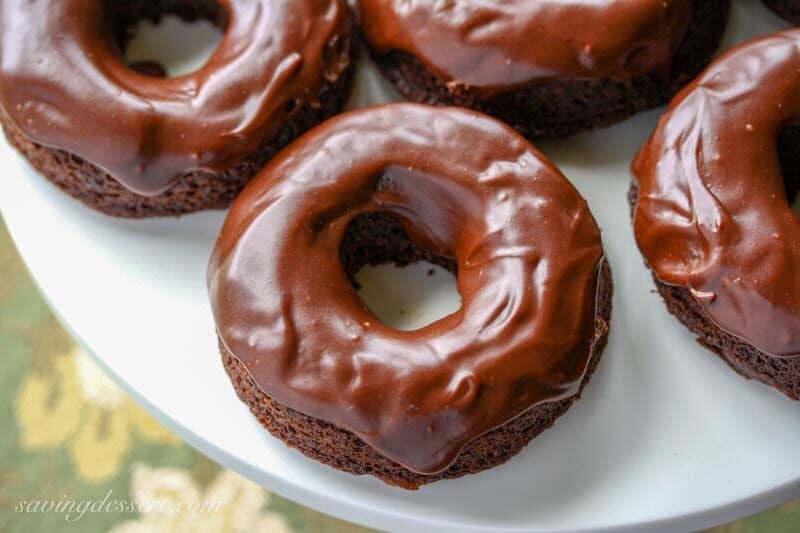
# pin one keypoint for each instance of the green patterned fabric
(77, 455)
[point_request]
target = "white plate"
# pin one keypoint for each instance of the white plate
(665, 437)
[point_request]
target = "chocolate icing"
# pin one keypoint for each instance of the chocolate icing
(712, 213)
(64, 82)
(500, 45)
(463, 185)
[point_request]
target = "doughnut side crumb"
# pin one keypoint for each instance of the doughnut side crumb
(564, 107)
(780, 373)
(343, 450)
(192, 191)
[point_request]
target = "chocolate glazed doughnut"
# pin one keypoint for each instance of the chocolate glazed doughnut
(399, 183)
(713, 215)
(546, 67)
(788, 9)
(135, 145)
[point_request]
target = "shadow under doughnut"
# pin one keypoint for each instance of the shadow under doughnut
(788, 9)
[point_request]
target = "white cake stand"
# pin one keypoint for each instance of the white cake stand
(665, 438)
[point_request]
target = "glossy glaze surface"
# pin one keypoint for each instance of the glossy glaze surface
(463, 185)
(64, 82)
(712, 213)
(497, 45)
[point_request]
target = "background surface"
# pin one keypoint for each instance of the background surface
(70, 434)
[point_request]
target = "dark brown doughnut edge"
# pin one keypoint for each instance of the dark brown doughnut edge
(341, 449)
(782, 374)
(787, 9)
(193, 191)
(560, 108)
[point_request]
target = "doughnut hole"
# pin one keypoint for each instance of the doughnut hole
(166, 38)
(789, 154)
(405, 286)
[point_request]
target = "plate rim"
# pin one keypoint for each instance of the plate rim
(371, 516)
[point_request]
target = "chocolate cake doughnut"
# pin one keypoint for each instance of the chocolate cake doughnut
(400, 183)
(713, 216)
(788, 9)
(546, 67)
(130, 143)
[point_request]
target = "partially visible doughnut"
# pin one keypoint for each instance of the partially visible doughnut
(546, 67)
(713, 215)
(134, 145)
